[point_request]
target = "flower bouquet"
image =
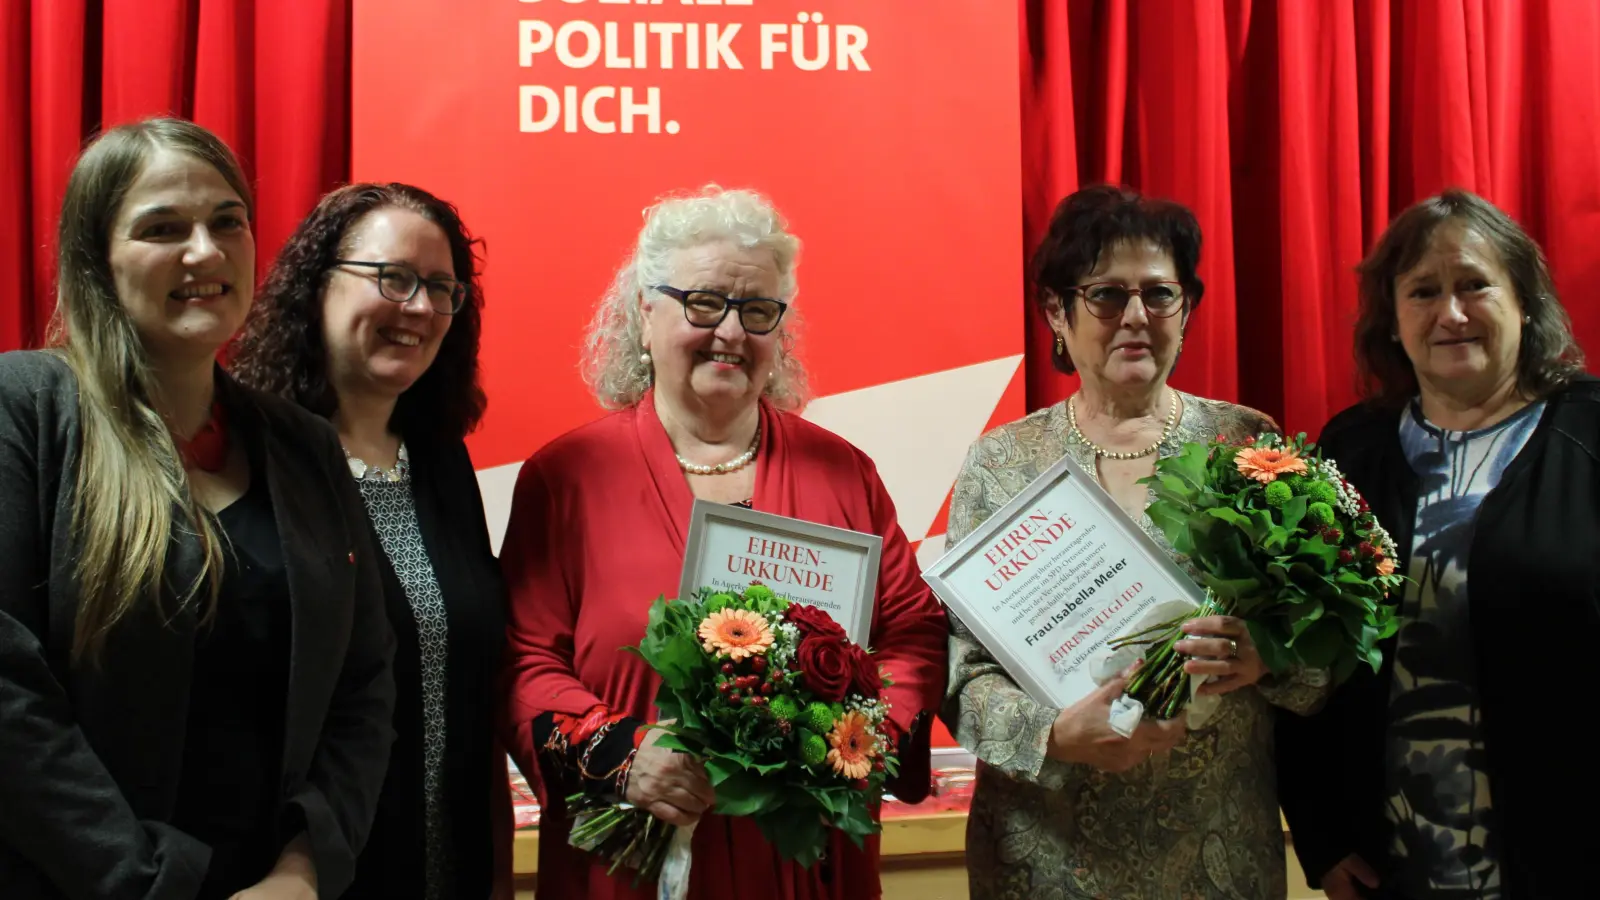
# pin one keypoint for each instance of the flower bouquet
(781, 709)
(1283, 542)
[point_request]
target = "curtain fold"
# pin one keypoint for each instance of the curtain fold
(1295, 131)
(271, 78)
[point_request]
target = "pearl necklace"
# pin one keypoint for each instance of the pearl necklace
(732, 465)
(1166, 431)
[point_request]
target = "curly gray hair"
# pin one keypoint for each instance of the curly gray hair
(613, 347)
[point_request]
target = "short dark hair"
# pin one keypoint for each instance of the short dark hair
(281, 349)
(1092, 222)
(1549, 357)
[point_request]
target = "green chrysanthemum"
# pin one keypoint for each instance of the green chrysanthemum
(758, 593)
(818, 717)
(718, 602)
(1298, 484)
(783, 708)
(1322, 492)
(1321, 514)
(813, 749)
(1278, 494)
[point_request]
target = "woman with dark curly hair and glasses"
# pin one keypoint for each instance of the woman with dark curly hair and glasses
(370, 317)
(1064, 806)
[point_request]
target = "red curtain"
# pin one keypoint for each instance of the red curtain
(270, 77)
(1294, 129)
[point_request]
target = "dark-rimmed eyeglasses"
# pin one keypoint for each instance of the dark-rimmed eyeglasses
(400, 283)
(1107, 299)
(707, 309)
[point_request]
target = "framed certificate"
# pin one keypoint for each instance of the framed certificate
(1052, 576)
(833, 569)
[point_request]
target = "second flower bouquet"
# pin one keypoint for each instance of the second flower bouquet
(784, 712)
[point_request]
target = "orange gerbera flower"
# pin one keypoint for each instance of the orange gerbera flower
(1385, 566)
(1265, 464)
(736, 633)
(854, 746)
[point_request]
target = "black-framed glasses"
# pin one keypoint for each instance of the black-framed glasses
(707, 309)
(400, 283)
(1107, 299)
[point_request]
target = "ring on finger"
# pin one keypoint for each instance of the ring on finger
(1233, 648)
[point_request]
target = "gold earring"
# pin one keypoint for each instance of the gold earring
(1061, 346)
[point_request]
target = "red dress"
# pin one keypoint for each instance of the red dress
(597, 531)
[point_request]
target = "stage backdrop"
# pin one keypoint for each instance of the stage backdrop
(887, 133)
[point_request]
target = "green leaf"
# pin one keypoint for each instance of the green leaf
(1277, 540)
(1293, 512)
(1305, 616)
(719, 769)
(673, 742)
(796, 830)
(1231, 588)
(1174, 525)
(1273, 654)
(745, 794)
(1319, 553)
(1319, 645)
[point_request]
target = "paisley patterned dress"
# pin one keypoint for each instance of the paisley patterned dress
(1201, 824)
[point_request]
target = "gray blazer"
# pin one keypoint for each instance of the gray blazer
(90, 756)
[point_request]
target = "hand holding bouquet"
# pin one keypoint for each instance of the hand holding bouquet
(1281, 541)
(783, 712)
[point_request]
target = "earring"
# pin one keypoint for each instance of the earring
(1395, 338)
(645, 360)
(1061, 346)
(1527, 320)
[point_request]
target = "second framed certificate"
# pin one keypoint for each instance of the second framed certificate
(1052, 576)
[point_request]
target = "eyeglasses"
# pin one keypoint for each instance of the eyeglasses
(1107, 299)
(400, 283)
(707, 309)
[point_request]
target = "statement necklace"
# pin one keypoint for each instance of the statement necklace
(1166, 431)
(732, 465)
(365, 472)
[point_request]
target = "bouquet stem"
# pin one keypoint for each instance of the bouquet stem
(1161, 685)
(625, 835)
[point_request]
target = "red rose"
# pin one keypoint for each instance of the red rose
(812, 621)
(864, 677)
(825, 665)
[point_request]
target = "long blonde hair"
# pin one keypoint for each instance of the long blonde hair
(130, 485)
(612, 364)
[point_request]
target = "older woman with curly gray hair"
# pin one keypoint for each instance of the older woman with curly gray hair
(692, 349)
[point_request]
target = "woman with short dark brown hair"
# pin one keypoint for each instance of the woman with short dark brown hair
(1478, 447)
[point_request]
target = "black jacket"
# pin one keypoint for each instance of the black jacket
(1533, 574)
(450, 515)
(90, 757)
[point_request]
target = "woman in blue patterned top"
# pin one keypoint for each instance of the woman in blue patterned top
(371, 317)
(1444, 776)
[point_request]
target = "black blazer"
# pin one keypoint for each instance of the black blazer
(90, 756)
(450, 515)
(1533, 577)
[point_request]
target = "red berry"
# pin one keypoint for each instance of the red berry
(877, 765)
(759, 664)
(725, 686)
(727, 668)
(1346, 557)
(766, 688)
(759, 701)
(1367, 549)
(860, 784)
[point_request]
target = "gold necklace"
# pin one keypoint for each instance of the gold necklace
(732, 465)
(1166, 431)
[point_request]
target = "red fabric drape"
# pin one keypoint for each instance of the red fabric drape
(1295, 131)
(271, 78)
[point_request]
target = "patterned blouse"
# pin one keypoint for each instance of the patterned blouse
(394, 516)
(1201, 823)
(1440, 811)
